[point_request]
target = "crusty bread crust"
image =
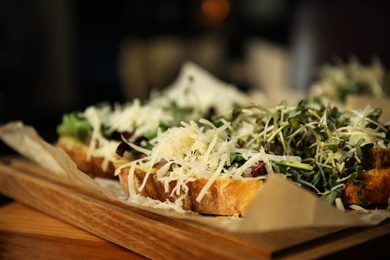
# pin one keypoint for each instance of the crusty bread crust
(77, 151)
(376, 191)
(226, 197)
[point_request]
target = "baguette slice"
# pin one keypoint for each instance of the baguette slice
(225, 197)
(77, 151)
(376, 191)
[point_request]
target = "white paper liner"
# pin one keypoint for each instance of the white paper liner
(280, 204)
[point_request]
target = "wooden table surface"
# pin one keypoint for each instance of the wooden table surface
(26, 233)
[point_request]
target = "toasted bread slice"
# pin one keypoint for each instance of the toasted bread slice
(376, 191)
(225, 197)
(77, 151)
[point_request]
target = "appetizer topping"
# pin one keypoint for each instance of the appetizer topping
(315, 145)
(258, 169)
(334, 146)
(200, 151)
(101, 126)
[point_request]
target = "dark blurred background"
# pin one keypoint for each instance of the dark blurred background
(61, 55)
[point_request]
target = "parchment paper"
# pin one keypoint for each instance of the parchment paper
(280, 204)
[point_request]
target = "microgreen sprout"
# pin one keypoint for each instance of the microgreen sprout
(330, 143)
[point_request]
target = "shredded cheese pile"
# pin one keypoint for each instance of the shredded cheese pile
(133, 118)
(194, 151)
(137, 118)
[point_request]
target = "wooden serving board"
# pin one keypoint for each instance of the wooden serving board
(156, 236)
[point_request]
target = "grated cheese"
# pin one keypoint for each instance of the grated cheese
(198, 150)
(133, 118)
